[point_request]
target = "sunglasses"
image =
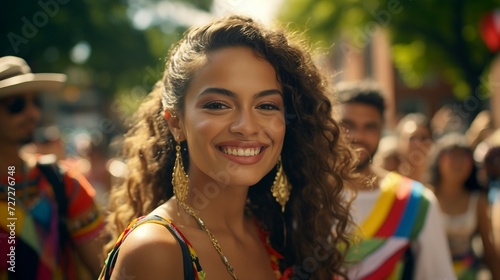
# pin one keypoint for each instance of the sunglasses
(16, 105)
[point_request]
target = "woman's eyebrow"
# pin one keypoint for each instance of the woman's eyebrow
(268, 92)
(222, 91)
(229, 93)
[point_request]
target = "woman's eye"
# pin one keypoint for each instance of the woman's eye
(269, 106)
(215, 106)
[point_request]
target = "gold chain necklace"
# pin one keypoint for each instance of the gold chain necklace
(216, 244)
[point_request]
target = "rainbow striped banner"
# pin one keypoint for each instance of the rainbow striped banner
(395, 220)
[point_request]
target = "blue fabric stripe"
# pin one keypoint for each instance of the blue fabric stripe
(407, 221)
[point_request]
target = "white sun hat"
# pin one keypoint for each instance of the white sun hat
(16, 78)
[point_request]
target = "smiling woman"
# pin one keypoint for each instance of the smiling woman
(236, 154)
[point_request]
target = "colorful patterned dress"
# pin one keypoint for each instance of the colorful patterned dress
(192, 267)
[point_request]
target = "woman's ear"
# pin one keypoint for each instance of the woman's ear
(167, 115)
(175, 126)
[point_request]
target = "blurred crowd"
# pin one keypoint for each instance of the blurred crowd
(463, 170)
(98, 161)
(461, 165)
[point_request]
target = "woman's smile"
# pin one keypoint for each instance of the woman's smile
(234, 113)
(243, 153)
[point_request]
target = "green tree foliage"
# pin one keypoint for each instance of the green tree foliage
(122, 57)
(426, 36)
(45, 32)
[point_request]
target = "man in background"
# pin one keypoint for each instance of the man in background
(49, 224)
(400, 227)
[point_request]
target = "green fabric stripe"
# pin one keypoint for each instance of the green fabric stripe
(364, 248)
(421, 216)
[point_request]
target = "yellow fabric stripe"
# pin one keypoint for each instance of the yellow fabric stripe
(88, 229)
(397, 272)
(25, 226)
(382, 206)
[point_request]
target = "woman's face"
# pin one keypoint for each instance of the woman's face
(456, 163)
(233, 118)
(415, 142)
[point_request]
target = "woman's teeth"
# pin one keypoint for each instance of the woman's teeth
(242, 152)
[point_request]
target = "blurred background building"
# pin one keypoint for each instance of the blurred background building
(424, 56)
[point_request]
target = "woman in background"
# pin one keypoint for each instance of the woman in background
(414, 145)
(465, 207)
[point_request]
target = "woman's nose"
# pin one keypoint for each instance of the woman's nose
(245, 123)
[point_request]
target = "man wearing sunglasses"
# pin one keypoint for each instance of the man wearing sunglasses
(49, 223)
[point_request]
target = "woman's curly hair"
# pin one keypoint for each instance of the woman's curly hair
(313, 233)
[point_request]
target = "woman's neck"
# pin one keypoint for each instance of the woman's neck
(417, 173)
(450, 188)
(220, 208)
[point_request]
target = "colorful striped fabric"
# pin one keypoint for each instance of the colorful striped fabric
(386, 234)
(38, 254)
(466, 266)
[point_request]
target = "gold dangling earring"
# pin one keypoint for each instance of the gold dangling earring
(281, 187)
(180, 179)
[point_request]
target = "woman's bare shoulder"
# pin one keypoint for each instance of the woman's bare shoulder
(150, 251)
